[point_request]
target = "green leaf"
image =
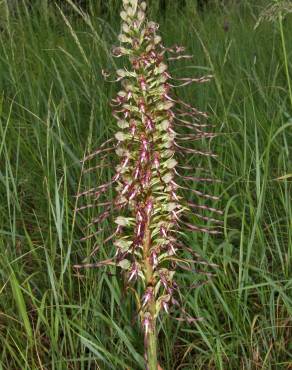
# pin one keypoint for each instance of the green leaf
(21, 306)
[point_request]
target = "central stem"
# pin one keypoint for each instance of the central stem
(151, 348)
(150, 334)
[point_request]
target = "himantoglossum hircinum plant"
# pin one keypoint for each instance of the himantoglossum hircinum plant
(155, 129)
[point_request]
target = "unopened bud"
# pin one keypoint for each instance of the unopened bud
(125, 28)
(157, 39)
(124, 16)
(143, 6)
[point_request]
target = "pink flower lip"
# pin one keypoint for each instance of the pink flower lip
(149, 207)
(165, 306)
(149, 124)
(134, 272)
(133, 194)
(126, 188)
(143, 156)
(136, 172)
(154, 258)
(147, 296)
(163, 231)
(146, 323)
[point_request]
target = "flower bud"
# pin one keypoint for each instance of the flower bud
(121, 73)
(123, 124)
(171, 163)
(120, 136)
(165, 105)
(123, 221)
(141, 15)
(126, 28)
(157, 39)
(124, 264)
(161, 68)
(124, 38)
(124, 16)
(167, 178)
(143, 5)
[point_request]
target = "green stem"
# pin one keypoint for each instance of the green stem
(285, 57)
(151, 348)
(151, 335)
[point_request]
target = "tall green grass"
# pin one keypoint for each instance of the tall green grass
(54, 108)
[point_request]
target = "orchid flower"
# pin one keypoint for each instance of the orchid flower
(149, 209)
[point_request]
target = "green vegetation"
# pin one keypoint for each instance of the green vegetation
(54, 108)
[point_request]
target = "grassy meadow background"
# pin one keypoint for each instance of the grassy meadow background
(54, 108)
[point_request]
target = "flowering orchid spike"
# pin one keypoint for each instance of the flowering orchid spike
(150, 211)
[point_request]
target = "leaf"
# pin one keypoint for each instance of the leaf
(284, 177)
(21, 306)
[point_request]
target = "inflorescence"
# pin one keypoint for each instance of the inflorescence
(154, 130)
